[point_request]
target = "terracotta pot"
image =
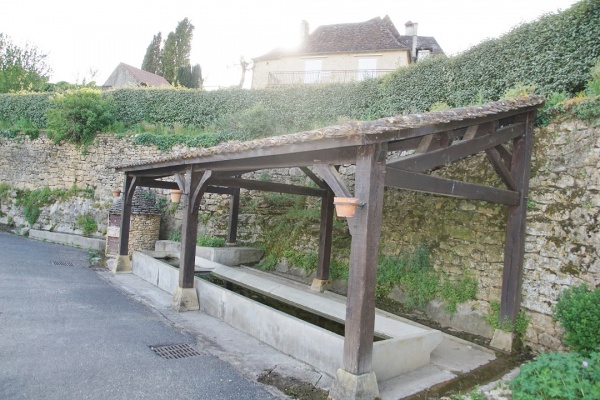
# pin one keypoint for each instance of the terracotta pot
(176, 195)
(345, 206)
(116, 192)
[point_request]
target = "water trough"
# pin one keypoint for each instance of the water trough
(407, 347)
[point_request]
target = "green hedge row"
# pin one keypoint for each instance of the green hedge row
(554, 53)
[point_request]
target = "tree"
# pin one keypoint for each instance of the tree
(190, 77)
(173, 61)
(168, 68)
(151, 61)
(21, 68)
(246, 66)
(183, 42)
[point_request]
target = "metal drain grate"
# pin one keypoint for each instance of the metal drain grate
(63, 263)
(175, 351)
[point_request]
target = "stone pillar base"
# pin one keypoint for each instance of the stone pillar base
(502, 340)
(185, 299)
(320, 285)
(348, 386)
(122, 265)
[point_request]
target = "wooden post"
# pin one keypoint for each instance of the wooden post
(234, 209)
(321, 281)
(514, 249)
(123, 263)
(185, 297)
(360, 306)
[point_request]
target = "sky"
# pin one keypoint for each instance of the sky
(81, 36)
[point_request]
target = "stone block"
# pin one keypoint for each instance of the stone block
(348, 386)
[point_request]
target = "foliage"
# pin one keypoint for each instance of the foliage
(175, 236)
(5, 191)
(558, 376)
(29, 106)
(33, 200)
(21, 68)
(493, 318)
(78, 115)
(578, 311)
(210, 241)
(165, 141)
(459, 291)
(592, 88)
(151, 61)
(413, 272)
(189, 77)
(87, 223)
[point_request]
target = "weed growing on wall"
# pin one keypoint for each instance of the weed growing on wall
(210, 241)
(33, 200)
(87, 223)
(493, 318)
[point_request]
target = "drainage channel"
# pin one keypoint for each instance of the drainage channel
(304, 315)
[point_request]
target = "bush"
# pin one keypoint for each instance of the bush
(87, 223)
(578, 311)
(76, 116)
(558, 376)
(210, 241)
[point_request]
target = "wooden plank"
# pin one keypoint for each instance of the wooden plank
(325, 236)
(333, 179)
(464, 148)
(431, 184)
(189, 227)
(360, 303)
(514, 248)
(153, 183)
(267, 186)
(128, 190)
(505, 154)
(500, 168)
(314, 178)
(219, 190)
(232, 221)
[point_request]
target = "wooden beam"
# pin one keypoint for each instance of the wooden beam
(319, 182)
(500, 168)
(195, 184)
(232, 221)
(431, 184)
(325, 236)
(360, 303)
(267, 186)
(153, 183)
(464, 148)
(514, 248)
(333, 179)
(505, 154)
(129, 186)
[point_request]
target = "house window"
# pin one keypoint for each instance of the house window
(312, 71)
(366, 68)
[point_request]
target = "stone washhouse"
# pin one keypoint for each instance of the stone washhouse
(398, 152)
(145, 223)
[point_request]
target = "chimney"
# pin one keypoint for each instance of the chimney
(411, 30)
(303, 30)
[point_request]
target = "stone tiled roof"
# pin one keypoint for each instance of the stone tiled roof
(143, 203)
(376, 34)
(352, 129)
(144, 78)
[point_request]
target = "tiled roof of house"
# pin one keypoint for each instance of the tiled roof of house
(376, 34)
(144, 78)
(143, 203)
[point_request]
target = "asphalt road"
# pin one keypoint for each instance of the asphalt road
(66, 333)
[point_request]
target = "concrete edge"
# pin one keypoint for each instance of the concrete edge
(68, 239)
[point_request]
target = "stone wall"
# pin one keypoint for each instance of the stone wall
(143, 232)
(465, 237)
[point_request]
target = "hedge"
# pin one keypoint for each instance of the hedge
(555, 53)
